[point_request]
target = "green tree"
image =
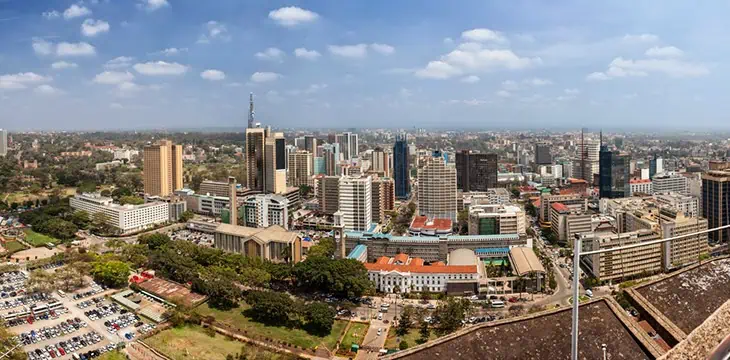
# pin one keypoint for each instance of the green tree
(41, 281)
(463, 222)
(404, 323)
(101, 224)
(450, 314)
(118, 193)
(81, 219)
(270, 307)
(403, 345)
(186, 216)
(154, 240)
(305, 191)
(425, 332)
(8, 344)
(86, 187)
(254, 277)
(136, 254)
(112, 273)
(219, 284)
(69, 278)
(131, 200)
(320, 317)
(325, 247)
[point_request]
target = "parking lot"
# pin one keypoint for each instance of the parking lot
(56, 326)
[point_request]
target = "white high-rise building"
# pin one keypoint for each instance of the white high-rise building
(3, 142)
(264, 210)
(355, 203)
(348, 145)
(437, 189)
(126, 218)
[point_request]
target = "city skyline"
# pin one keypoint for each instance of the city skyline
(148, 64)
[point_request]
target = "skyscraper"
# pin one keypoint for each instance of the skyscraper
(310, 144)
(401, 168)
(331, 155)
(163, 170)
(437, 189)
(250, 111)
(542, 154)
(348, 145)
(328, 193)
(614, 174)
(3, 142)
(716, 203)
(275, 163)
(381, 162)
(356, 202)
(476, 172)
(254, 156)
(300, 168)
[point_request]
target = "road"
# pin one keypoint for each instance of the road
(373, 342)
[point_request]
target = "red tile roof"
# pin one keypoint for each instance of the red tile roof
(560, 207)
(383, 260)
(639, 181)
(424, 223)
(448, 269)
(438, 263)
(416, 262)
(401, 258)
(577, 181)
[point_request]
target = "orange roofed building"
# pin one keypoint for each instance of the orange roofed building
(425, 226)
(405, 274)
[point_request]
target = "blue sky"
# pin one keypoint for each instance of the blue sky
(128, 64)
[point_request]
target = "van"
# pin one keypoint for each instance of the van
(61, 293)
(385, 305)
(497, 303)
(380, 316)
(589, 293)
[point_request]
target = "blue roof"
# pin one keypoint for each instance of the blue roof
(357, 251)
(372, 227)
(491, 250)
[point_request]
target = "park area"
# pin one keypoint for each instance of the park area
(355, 335)
(13, 246)
(36, 239)
(195, 343)
(235, 319)
(393, 341)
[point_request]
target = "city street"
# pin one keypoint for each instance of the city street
(373, 342)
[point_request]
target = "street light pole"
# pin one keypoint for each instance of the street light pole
(576, 268)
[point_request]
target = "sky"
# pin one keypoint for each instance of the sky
(522, 64)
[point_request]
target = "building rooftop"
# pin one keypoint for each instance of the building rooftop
(426, 223)
(273, 233)
(544, 335)
(404, 263)
(560, 207)
(639, 181)
(524, 261)
(704, 340)
(357, 251)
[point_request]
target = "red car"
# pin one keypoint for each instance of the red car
(61, 351)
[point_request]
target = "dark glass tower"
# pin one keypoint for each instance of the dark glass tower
(401, 169)
(475, 172)
(614, 174)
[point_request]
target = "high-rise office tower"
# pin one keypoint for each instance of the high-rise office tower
(328, 193)
(401, 168)
(356, 202)
(254, 155)
(348, 145)
(587, 160)
(163, 170)
(476, 172)
(299, 143)
(437, 189)
(251, 114)
(542, 154)
(331, 155)
(310, 144)
(378, 201)
(716, 203)
(382, 162)
(656, 166)
(3, 142)
(300, 168)
(614, 174)
(275, 163)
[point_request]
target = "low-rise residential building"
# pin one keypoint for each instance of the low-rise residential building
(125, 218)
(566, 222)
(264, 210)
(497, 219)
(425, 226)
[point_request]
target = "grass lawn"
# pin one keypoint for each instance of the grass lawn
(235, 319)
(36, 239)
(191, 343)
(113, 355)
(13, 246)
(392, 341)
(355, 335)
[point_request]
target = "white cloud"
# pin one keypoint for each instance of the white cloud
(234, 84)
(448, 41)
(641, 38)
(214, 30)
(113, 77)
(471, 79)
(571, 91)
(621, 67)
(152, 5)
(213, 75)
(75, 49)
(510, 85)
(160, 68)
(92, 27)
(75, 11)
(597, 76)
(405, 93)
(666, 51)
(119, 62)
(483, 35)
(315, 88)
(171, 51)
(260, 77)
(53, 14)
(438, 70)
(469, 102)
(270, 54)
(384, 49)
(538, 82)
(350, 51)
(46, 89)
(292, 16)
(472, 58)
(504, 93)
(22, 80)
(307, 54)
(59, 65)
(42, 47)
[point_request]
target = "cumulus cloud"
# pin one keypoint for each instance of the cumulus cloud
(292, 16)
(214, 30)
(213, 75)
(473, 58)
(621, 67)
(160, 68)
(597, 76)
(571, 91)
(666, 51)
(60, 65)
(384, 49)
(538, 82)
(65, 49)
(504, 93)
(46, 89)
(119, 62)
(91, 27)
(307, 54)
(483, 35)
(270, 54)
(75, 11)
(52, 14)
(22, 80)
(42, 47)
(259, 77)
(152, 5)
(349, 51)
(113, 77)
(471, 79)
(641, 38)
